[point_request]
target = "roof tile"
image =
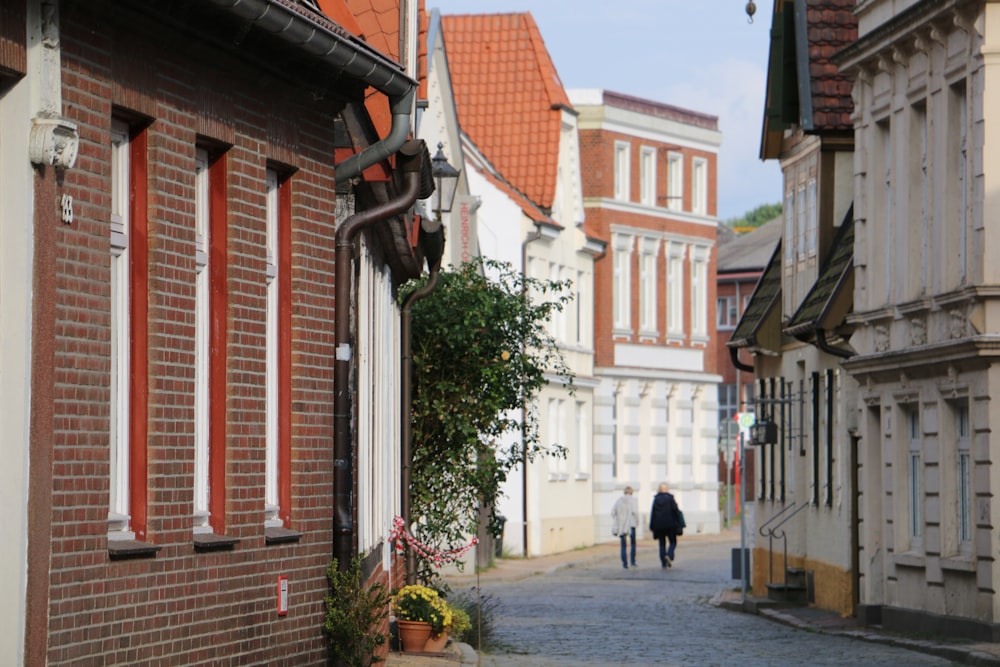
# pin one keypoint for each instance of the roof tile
(832, 26)
(508, 94)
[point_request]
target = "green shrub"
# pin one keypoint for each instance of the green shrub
(355, 616)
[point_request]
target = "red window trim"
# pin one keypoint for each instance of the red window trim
(284, 242)
(138, 330)
(217, 341)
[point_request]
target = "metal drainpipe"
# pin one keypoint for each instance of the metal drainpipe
(524, 410)
(822, 344)
(406, 381)
(282, 19)
(409, 161)
(734, 354)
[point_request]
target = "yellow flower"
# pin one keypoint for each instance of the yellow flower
(505, 355)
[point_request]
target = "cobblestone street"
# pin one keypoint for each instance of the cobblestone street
(596, 613)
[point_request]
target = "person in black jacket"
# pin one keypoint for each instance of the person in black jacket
(663, 523)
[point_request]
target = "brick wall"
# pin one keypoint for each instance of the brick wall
(183, 606)
(597, 156)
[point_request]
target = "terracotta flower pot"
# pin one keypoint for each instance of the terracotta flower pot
(413, 635)
(436, 643)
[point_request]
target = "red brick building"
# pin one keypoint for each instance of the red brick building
(650, 189)
(218, 187)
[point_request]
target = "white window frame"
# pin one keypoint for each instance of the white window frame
(622, 245)
(557, 322)
(271, 350)
(583, 427)
(647, 176)
(812, 219)
(378, 401)
(119, 519)
(675, 289)
(557, 433)
(801, 215)
(675, 181)
(914, 476)
(649, 249)
(699, 186)
(699, 292)
(960, 97)
(202, 315)
(964, 489)
(788, 243)
(623, 183)
(726, 314)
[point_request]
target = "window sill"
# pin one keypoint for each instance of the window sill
(213, 542)
(910, 559)
(273, 535)
(582, 476)
(958, 563)
(558, 477)
(122, 549)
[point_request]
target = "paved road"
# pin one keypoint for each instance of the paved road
(601, 615)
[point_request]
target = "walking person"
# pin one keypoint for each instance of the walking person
(624, 520)
(664, 523)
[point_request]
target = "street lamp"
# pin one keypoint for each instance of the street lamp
(445, 181)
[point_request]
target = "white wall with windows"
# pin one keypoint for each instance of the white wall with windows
(925, 173)
(378, 429)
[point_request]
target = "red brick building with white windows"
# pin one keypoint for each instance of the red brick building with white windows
(650, 189)
(212, 192)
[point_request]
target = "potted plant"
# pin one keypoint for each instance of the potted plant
(420, 613)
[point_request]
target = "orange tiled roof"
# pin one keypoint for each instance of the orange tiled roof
(338, 12)
(379, 21)
(507, 94)
(525, 204)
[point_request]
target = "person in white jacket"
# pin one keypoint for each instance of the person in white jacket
(624, 519)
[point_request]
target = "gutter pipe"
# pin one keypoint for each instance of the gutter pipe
(734, 354)
(822, 344)
(433, 250)
(286, 21)
(534, 236)
(282, 19)
(409, 159)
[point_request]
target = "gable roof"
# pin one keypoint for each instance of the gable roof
(509, 97)
(804, 86)
(476, 160)
(831, 295)
(765, 296)
(748, 252)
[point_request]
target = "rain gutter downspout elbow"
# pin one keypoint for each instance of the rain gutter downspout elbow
(822, 344)
(734, 354)
(352, 58)
(401, 107)
(343, 460)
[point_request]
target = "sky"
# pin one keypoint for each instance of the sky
(701, 55)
